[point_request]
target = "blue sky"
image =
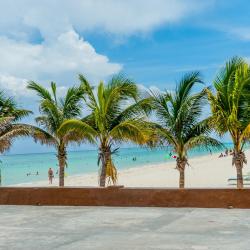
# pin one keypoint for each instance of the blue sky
(154, 42)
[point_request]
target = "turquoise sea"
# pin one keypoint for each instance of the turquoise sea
(14, 168)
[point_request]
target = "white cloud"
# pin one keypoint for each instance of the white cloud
(52, 17)
(62, 52)
(59, 60)
(17, 86)
(149, 90)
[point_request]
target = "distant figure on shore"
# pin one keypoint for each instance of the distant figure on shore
(50, 175)
(134, 158)
(221, 155)
(226, 152)
(28, 174)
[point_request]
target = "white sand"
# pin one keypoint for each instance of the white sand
(205, 171)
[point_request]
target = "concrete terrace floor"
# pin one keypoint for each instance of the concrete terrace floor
(64, 228)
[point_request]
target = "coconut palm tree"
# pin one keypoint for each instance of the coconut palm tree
(54, 111)
(117, 114)
(179, 115)
(10, 129)
(230, 106)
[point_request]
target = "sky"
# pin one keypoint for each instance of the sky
(154, 42)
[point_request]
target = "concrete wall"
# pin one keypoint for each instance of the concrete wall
(137, 197)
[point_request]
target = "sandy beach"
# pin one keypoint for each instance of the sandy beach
(205, 171)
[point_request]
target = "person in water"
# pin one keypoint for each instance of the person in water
(50, 175)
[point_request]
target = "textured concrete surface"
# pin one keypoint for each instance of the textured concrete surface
(64, 228)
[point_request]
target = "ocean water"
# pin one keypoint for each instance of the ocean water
(14, 168)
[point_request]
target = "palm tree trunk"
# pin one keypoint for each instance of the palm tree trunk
(62, 162)
(239, 177)
(105, 155)
(182, 178)
(102, 181)
(238, 160)
(181, 164)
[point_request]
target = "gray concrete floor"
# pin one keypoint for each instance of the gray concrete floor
(64, 228)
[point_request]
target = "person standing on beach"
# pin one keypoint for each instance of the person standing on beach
(50, 175)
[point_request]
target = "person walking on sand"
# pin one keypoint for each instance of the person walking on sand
(50, 175)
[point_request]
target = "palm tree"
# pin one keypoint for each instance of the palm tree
(179, 114)
(10, 114)
(230, 106)
(54, 111)
(117, 114)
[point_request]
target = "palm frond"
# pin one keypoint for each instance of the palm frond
(89, 96)
(179, 115)
(118, 90)
(55, 112)
(230, 105)
(185, 86)
(140, 108)
(165, 136)
(53, 88)
(9, 107)
(44, 137)
(82, 130)
(203, 141)
(135, 130)
(9, 132)
(72, 102)
(40, 90)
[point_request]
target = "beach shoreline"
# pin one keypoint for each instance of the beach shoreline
(204, 171)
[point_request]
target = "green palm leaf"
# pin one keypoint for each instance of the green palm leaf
(230, 106)
(180, 122)
(117, 114)
(54, 113)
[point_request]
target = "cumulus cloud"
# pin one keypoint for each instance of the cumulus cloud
(43, 40)
(52, 17)
(17, 86)
(150, 89)
(59, 60)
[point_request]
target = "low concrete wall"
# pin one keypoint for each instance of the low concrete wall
(134, 197)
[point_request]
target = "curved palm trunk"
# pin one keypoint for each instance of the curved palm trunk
(61, 155)
(239, 159)
(180, 165)
(105, 155)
